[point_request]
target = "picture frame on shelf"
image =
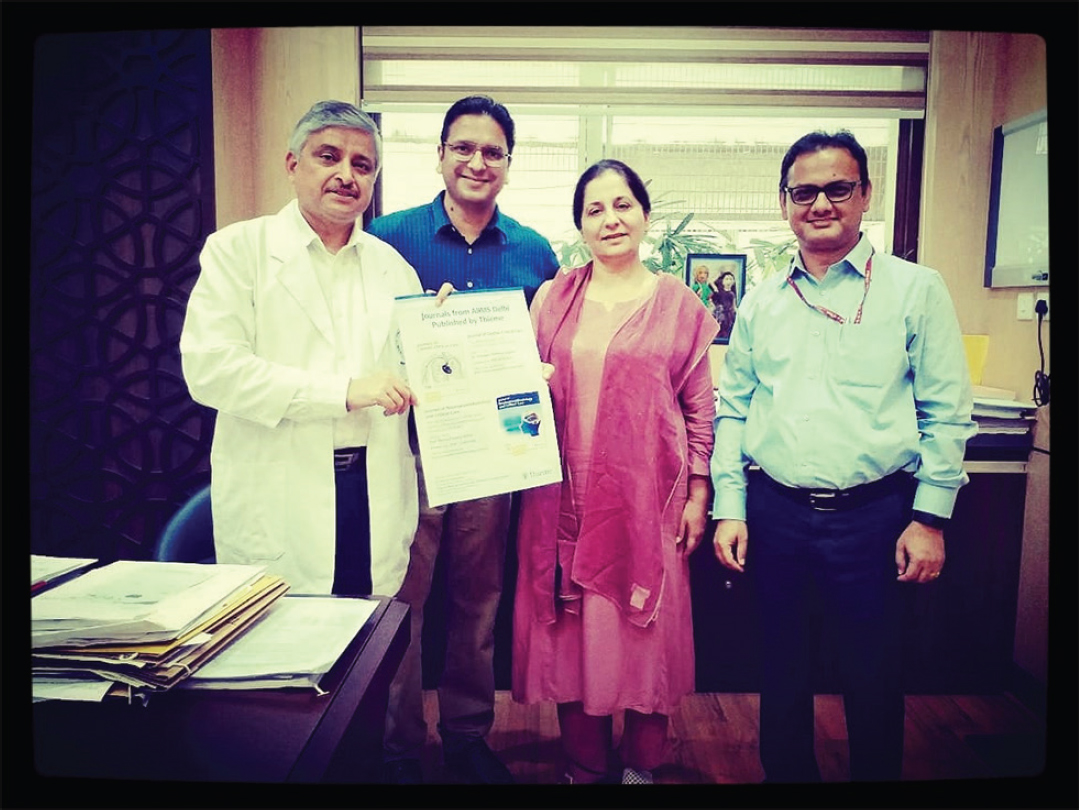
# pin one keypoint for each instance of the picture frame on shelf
(719, 280)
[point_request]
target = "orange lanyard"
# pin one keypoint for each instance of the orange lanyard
(827, 312)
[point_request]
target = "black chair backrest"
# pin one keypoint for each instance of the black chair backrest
(189, 534)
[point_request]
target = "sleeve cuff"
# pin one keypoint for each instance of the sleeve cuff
(729, 506)
(935, 500)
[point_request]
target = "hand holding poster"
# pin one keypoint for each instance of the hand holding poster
(483, 414)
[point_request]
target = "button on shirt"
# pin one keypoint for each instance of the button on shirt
(506, 254)
(340, 276)
(820, 404)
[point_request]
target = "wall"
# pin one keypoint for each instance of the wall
(978, 81)
(264, 80)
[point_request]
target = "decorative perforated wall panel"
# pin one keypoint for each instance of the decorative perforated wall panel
(122, 200)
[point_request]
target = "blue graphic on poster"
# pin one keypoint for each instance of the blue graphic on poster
(520, 413)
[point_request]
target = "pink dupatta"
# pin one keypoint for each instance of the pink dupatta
(640, 449)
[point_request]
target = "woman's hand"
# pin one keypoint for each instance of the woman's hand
(694, 515)
(694, 521)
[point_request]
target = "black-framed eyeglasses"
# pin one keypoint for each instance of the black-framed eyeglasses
(464, 150)
(839, 191)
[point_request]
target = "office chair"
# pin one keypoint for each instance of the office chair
(189, 534)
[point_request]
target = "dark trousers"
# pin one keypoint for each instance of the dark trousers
(352, 559)
(841, 563)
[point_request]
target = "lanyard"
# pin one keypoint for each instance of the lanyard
(827, 312)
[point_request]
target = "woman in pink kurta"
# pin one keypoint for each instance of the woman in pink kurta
(602, 617)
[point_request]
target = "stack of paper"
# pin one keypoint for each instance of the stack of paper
(46, 570)
(994, 415)
(295, 643)
(147, 625)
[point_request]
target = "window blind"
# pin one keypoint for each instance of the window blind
(646, 68)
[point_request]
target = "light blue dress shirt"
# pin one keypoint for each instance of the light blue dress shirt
(820, 404)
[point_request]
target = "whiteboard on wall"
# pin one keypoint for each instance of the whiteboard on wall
(1017, 247)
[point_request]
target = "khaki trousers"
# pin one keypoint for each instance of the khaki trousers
(470, 536)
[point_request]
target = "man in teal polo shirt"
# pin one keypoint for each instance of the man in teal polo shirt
(460, 238)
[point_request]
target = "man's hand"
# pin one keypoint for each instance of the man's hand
(547, 371)
(443, 293)
(384, 389)
(730, 540)
(919, 553)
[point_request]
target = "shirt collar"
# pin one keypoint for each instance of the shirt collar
(857, 259)
(442, 219)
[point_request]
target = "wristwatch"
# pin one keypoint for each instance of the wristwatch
(929, 519)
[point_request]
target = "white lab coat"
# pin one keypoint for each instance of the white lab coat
(258, 329)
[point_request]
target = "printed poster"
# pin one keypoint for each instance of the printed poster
(483, 415)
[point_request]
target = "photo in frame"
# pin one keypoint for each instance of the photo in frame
(719, 280)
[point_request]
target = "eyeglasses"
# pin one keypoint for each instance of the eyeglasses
(463, 151)
(839, 191)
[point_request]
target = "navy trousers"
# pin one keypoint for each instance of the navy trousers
(835, 569)
(352, 559)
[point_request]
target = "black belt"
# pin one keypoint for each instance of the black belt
(835, 500)
(345, 458)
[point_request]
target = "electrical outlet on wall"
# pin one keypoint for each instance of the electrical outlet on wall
(1042, 296)
(1024, 306)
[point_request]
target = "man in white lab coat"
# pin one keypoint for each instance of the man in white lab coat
(289, 334)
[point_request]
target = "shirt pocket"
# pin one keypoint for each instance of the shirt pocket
(870, 356)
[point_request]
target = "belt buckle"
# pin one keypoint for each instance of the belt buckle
(823, 500)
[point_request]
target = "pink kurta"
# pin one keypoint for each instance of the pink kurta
(592, 653)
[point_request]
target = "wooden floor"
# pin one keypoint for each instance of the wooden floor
(713, 740)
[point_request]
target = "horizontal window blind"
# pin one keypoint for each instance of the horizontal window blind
(636, 68)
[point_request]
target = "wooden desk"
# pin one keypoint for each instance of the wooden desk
(273, 735)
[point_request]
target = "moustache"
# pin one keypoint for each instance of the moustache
(346, 190)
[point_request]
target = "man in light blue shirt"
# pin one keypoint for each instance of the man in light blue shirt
(846, 382)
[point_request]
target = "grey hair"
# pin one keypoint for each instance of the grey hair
(334, 114)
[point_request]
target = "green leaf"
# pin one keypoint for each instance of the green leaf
(682, 224)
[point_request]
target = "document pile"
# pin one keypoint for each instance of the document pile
(1001, 413)
(294, 644)
(144, 625)
(46, 571)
